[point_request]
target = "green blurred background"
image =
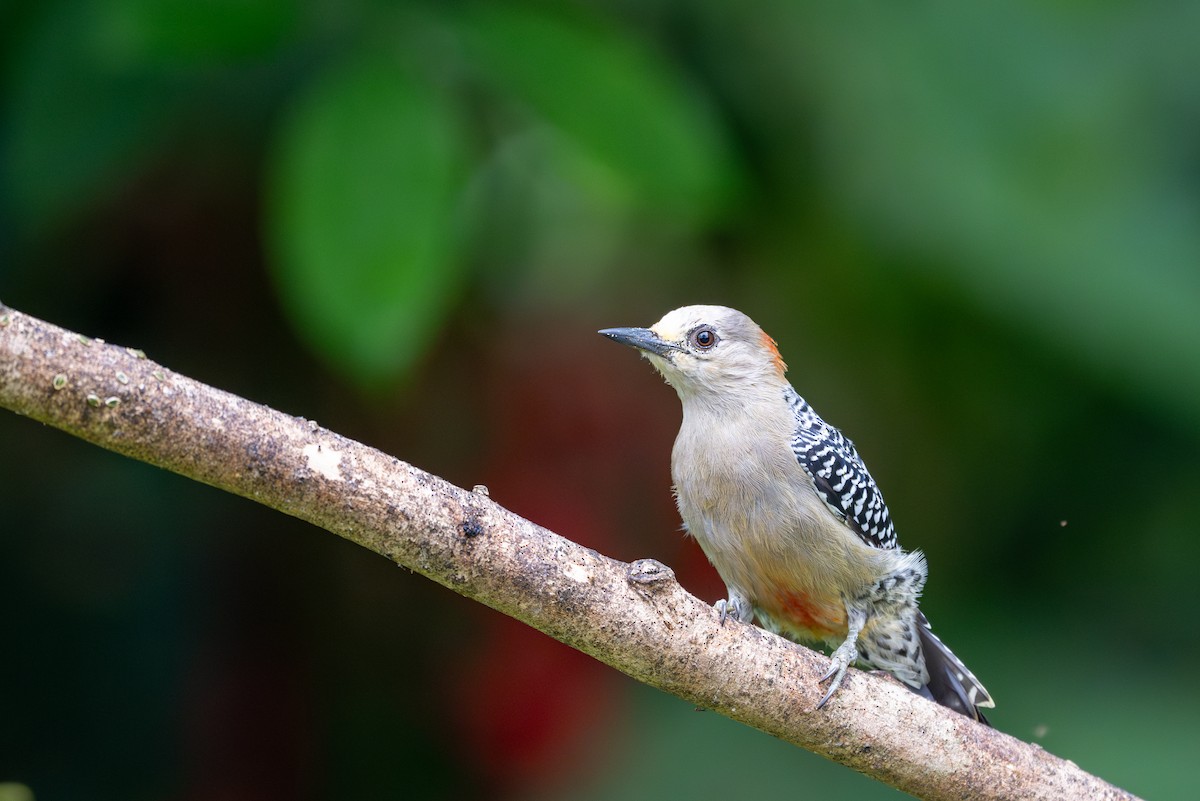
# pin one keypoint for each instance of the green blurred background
(973, 228)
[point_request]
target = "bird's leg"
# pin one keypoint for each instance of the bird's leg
(738, 606)
(845, 655)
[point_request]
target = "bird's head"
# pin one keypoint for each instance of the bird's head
(706, 351)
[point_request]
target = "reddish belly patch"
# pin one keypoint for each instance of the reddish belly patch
(797, 610)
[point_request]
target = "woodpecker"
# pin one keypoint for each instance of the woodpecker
(787, 512)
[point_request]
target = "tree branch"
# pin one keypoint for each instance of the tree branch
(634, 617)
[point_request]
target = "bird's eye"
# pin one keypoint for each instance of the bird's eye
(704, 338)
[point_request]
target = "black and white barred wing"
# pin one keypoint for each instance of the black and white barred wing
(840, 476)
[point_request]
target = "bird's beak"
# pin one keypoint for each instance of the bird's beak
(640, 338)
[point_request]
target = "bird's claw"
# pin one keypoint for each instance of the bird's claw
(839, 662)
(722, 607)
(837, 674)
(735, 606)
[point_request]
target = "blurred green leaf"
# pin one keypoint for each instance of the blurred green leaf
(361, 215)
(211, 30)
(1057, 197)
(612, 96)
(12, 791)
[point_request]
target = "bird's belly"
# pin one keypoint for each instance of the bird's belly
(796, 573)
(761, 523)
(799, 616)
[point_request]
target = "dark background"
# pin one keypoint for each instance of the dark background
(974, 230)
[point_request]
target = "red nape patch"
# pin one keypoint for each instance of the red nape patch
(798, 611)
(773, 349)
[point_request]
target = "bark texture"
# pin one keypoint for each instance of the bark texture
(634, 617)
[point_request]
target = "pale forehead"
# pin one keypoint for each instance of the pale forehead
(678, 322)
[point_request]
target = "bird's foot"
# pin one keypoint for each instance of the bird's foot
(737, 607)
(841, 659)
(722, 607)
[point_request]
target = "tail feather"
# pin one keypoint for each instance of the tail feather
(950, 682)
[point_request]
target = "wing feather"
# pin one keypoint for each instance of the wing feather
(841, 478)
